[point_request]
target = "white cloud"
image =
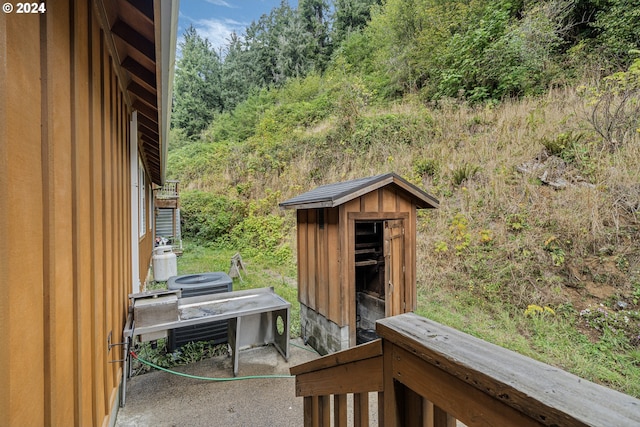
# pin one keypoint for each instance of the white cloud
(217, 31)
(219, 3)
(217, 26)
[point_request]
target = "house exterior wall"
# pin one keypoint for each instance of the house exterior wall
(66, 221)
(326, 263)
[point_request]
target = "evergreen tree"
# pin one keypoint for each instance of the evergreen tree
(293, 50)
(314, 15)
(349, 16)
(261, 49)
(197, 85)
(279, 46)
(237, 72)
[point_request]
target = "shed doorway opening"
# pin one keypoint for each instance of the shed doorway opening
(379, 272)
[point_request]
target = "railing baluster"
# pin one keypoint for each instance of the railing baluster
(324, 411)
(427, 408)
(325, 406)
(309, 411)
(381, 409)
(442, 419)
(361, 409)
(317, 411)
(410, 407)
(340, 410)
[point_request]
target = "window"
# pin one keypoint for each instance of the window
(142, 206)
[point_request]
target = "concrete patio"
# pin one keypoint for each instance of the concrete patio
(163, 399)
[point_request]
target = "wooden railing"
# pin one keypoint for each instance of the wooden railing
(427, 374)
(357, 371)
(170, 190)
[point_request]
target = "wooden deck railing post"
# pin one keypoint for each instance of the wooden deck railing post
(390, 407)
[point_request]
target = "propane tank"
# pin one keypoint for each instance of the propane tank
(165, 263)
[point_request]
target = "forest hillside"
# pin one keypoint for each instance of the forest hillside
(522, 118)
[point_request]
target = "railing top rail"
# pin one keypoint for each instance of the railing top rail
(355, 370)
(361, 352)
(543, 392)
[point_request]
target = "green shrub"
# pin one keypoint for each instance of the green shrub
(426, 167)
(305, 89)
(562, 143)
(262, 235)
(618, 25)
(463, 173)
(195, 160)
(389, 129)
(241, 123)
(209, 217)
(613, 106)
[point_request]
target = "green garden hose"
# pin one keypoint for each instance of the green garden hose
(197, 377)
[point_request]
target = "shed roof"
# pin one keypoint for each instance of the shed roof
(332, 195)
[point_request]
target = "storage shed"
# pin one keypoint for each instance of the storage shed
(356, 257)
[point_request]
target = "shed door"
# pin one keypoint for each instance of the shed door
(394, 267)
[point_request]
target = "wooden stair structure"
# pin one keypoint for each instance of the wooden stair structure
(427, 374)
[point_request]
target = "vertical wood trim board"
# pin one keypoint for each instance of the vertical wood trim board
(23, 390)
(334, 265)
(303, 258)
(323, 285)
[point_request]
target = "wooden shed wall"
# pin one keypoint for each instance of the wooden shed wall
(319, 263)
(326, 269)
(65, 206)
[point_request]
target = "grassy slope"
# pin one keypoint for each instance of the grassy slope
(501, 240)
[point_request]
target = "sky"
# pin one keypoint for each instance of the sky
(216, 19)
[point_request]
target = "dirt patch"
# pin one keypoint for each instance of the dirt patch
(596, 280)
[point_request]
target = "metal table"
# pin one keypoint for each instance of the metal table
(265, 314)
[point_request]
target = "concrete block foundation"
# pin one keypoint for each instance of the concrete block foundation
(369, 310)
(321, 333)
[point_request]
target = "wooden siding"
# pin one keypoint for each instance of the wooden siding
(318, 249)
(66, 222)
